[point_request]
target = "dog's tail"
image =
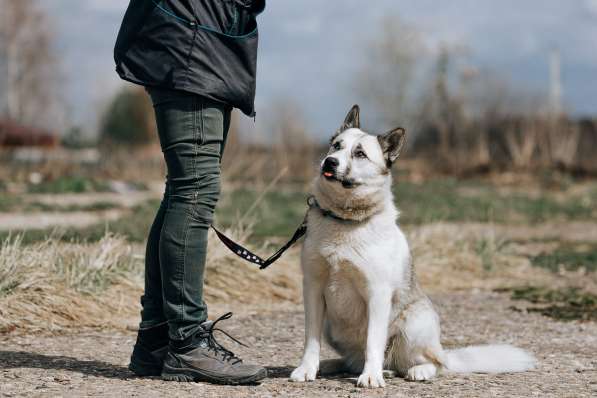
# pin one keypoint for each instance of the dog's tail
(501, 358)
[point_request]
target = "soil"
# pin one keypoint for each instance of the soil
(93, 363)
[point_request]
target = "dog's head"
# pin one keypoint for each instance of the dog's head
(357, 166)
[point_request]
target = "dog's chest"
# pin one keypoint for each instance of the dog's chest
(346, 258)
(345, 293)
(374, 253)
(349, 248)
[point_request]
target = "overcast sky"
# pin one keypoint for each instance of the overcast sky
(311, 49)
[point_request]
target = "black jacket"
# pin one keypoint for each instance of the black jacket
(207, 47)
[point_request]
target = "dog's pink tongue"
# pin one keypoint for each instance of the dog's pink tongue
(327, 174)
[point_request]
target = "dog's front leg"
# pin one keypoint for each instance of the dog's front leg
(314, 313)
(378, 307)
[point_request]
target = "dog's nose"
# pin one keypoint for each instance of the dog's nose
(330, 163)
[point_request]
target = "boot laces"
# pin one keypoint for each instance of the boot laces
(214, 345)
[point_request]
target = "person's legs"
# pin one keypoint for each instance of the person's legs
(191, 131)
(152, 314)
(152, 340)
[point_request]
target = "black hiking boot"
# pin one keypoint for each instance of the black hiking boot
(202, 358)
(150, 350)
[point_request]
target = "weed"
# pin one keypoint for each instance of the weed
(563, 304)
(487, 250)
(570, 256)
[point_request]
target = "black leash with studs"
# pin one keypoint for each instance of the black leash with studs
(251, 257)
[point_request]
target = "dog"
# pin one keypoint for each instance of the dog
(359, 284)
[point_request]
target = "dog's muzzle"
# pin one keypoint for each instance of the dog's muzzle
(329, 171)
(330, 165)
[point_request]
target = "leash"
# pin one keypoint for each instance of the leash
(251, 257)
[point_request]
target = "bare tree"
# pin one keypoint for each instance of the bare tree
(28, 67)
(391, 70)
(462, 119)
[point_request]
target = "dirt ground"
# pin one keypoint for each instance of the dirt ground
(94, 363)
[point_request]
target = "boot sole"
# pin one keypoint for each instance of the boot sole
(191, 375)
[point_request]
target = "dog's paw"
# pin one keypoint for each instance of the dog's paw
(370, 379)
(423, 372)
(304, 373)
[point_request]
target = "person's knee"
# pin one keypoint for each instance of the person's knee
(206, 196)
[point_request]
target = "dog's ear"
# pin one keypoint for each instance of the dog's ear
(352, 120)
(391, 144)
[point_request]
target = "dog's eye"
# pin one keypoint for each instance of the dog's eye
(336, 146)
(360, 154)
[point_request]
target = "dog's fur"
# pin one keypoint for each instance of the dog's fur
(359, 284)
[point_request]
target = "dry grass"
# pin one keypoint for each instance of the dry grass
(52, 285)
(82, 268)
(460, 256)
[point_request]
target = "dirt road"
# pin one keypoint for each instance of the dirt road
(94, 363)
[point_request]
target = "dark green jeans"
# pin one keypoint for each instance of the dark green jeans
(192, 132)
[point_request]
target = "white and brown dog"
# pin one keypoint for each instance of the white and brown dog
(359, 284)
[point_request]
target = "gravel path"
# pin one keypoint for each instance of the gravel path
(94, 363)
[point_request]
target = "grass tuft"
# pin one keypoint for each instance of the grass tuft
(564, 304)
(82, 268)
(570, 257)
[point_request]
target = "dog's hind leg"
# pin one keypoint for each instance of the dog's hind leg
(415, 352)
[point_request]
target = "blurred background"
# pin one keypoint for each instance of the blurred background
(497, 183)
(480, 87)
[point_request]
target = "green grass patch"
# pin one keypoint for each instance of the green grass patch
(8, 202)
(278, 214)
(569, 256)
(69, 184)
(40, 206)
(563, 304)
(442, 200)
